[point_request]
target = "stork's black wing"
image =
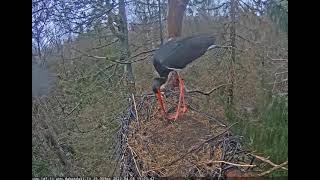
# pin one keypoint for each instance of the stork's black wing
(180, 52)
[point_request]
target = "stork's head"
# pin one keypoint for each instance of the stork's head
(157, 83)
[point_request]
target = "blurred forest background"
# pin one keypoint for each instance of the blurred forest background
(89, 56)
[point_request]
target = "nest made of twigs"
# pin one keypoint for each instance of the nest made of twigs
(192, 146)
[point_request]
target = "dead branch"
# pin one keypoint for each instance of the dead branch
(135, 107)
(279, 59)
(97, 73)
(112, 59)
(209, 92)
(144, 52)
(277, 82)
(141, 59)
(266, 160)
(207, 115)
(100, 57)
(215, 8)
(273, 169)
(69, 113)
(280, 73)
(234, 164)
(134, 160)
(105, 45)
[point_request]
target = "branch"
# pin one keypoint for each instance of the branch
(105, 45)
(141, 59)
(100, 57)
(215, 8)
(283, 72)
(69, 113)
(135, 107)
(134, 160)
(97, 73)
(277, 59)
(266, 160)
(273, 169)
(234, 164)
(144, 52)
(209, 92)
(116, 61)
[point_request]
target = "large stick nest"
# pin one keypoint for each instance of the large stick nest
(195, 145)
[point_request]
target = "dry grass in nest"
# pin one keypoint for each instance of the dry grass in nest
(191, 146)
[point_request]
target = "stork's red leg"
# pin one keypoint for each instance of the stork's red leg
(183, 107)
(159, 98)
(175, 117)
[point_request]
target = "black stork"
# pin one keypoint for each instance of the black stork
(175, 55)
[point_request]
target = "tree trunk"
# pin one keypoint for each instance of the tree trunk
(175, 17)
(160, 22)
(125, 47)
(233, 53)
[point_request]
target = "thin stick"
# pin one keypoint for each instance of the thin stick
(68, 113)
(234, 164)
(273, 169)
(267, 161)
(135, 107)
(209, 92)
(134, 160)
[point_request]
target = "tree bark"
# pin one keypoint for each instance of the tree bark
(233, 53)
(160, 22)
(175, 17)
(125, 47)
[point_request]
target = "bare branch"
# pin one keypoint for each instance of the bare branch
(105, 45)
(266, 160)
(273, 169)
(112, 59)
(215, 8)
(209, 92)
(135, 163)
(234, 164)
(144, 52)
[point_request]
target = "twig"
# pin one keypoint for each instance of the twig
(278, 59)
(277, 82)
(143, 52)
(105, 45)
(209, 92)
(215, 8)
(68, 113)
(273, 169)
(135, 107)
(100, 57)
(283, 72)
(134, 160)
(62, 107)
(97, 73)
(267, 161)
(207, 115)
(234, 164)
(141, 59)
(113, 60)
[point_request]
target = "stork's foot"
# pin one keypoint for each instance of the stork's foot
(183, 109)
(173, 117)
